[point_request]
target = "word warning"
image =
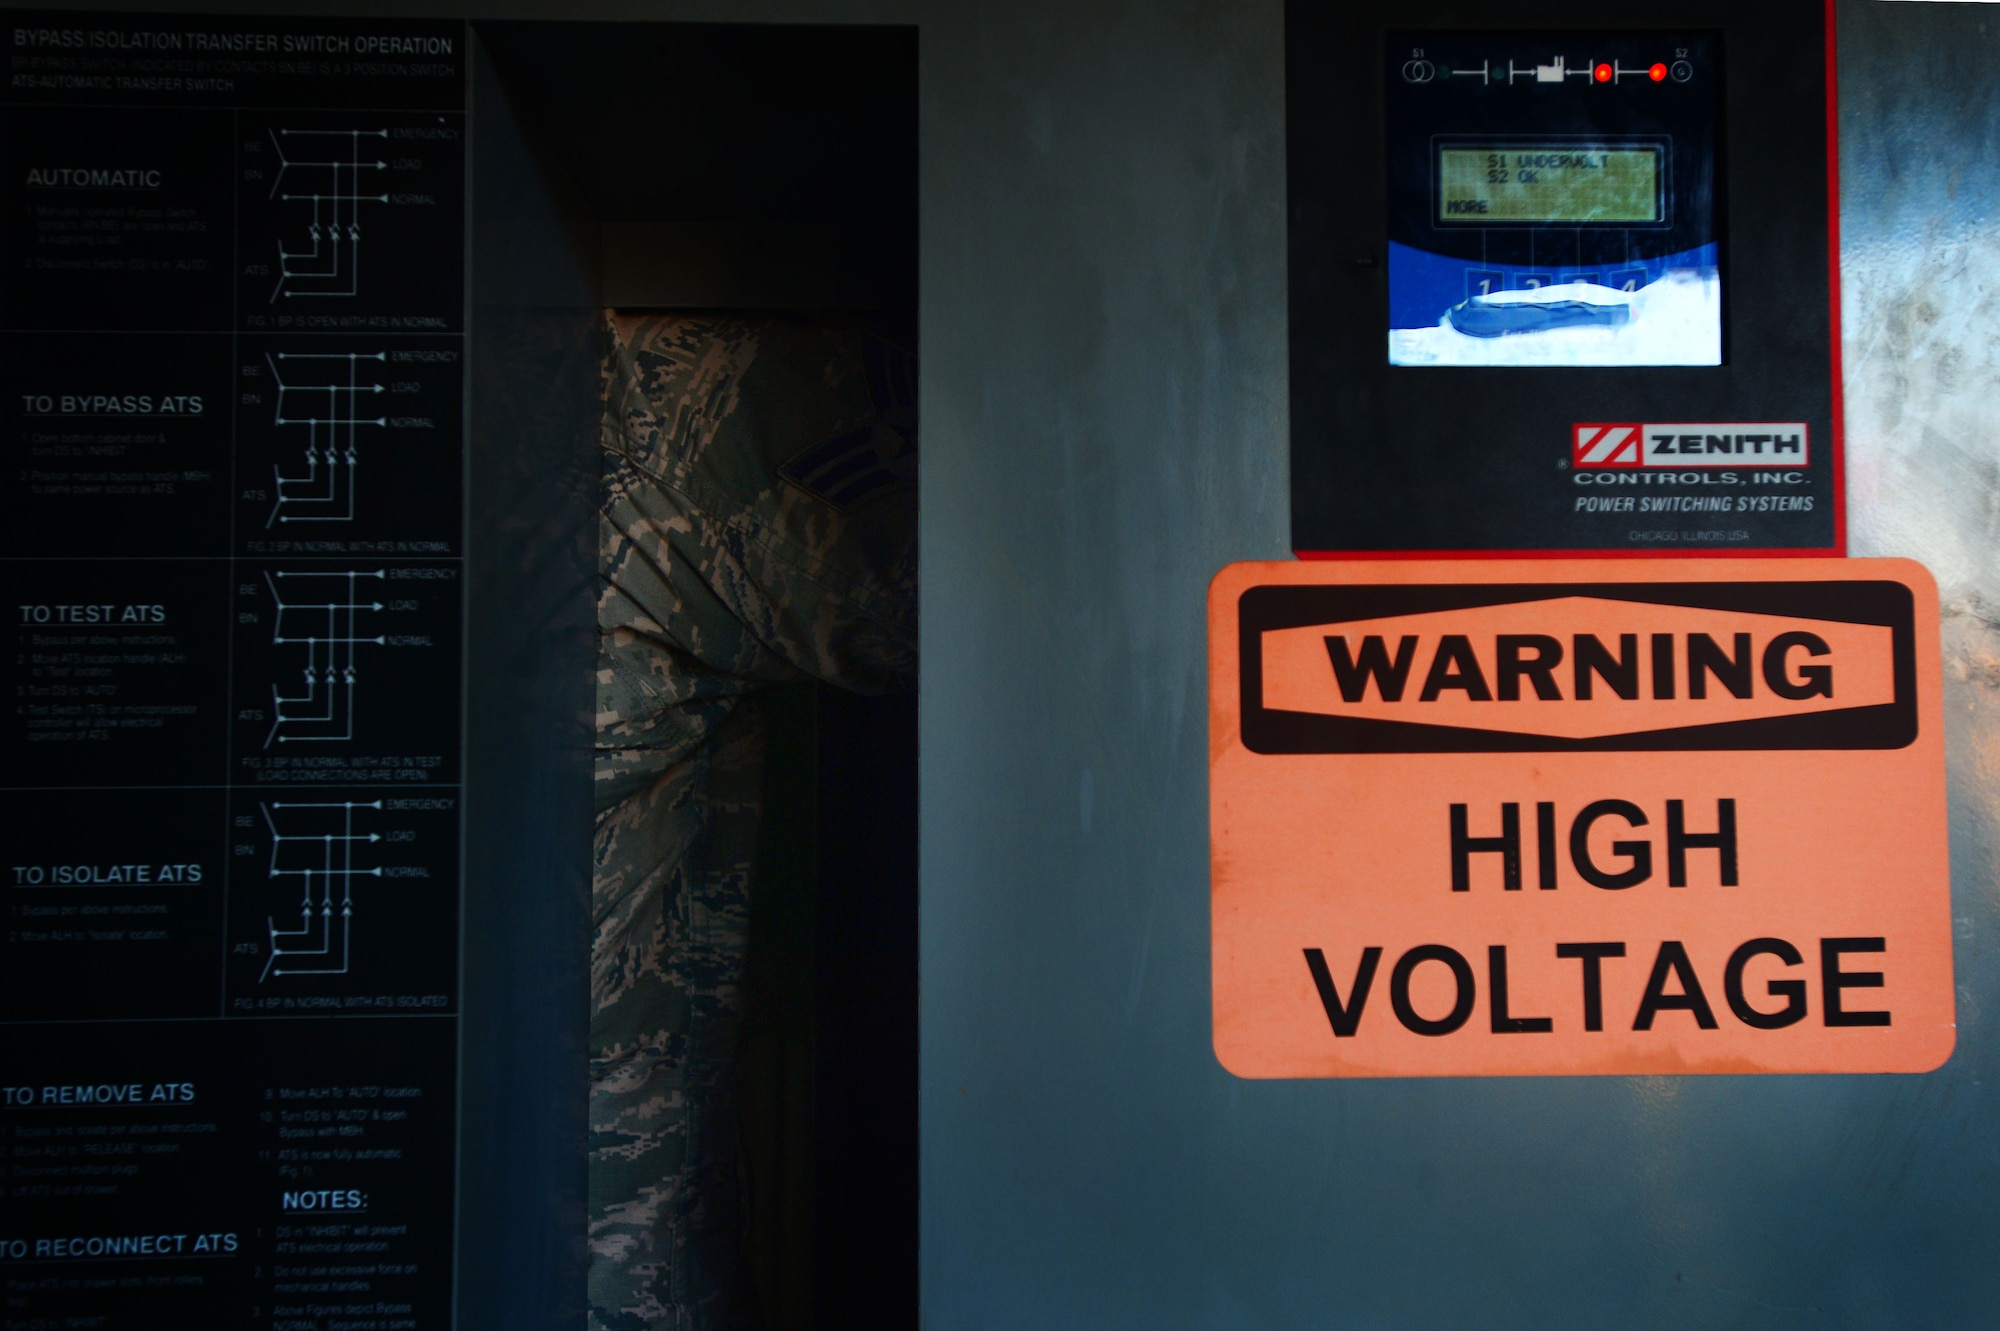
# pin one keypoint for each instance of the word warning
(1545, 817)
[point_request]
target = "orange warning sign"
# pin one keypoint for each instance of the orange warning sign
(1545, 817)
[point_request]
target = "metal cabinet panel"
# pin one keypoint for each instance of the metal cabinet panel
(1103, 291)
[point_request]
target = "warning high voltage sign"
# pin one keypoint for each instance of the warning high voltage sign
(1536, 817)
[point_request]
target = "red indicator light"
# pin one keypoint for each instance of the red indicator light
(1658, 73)
(1602, 73)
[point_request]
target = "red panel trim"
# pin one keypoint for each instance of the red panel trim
(1704, 553)
(1833, 286)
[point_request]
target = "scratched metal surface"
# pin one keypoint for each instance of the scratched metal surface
(1103, 294)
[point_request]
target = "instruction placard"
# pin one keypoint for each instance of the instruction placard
(1578, 817)
(232, 376)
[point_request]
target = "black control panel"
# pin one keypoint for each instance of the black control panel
(1559, 285)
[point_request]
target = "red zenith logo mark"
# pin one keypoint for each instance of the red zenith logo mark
(1606, 446)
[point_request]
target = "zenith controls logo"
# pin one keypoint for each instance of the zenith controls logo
(1551, 668)
(1689, 444)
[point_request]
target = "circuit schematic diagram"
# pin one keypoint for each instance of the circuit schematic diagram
(325, 613)
(316, 845)
(326, 175)
(333, 395)
(342, 892)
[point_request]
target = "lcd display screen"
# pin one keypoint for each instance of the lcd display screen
(1572, 184)
(1552, 199)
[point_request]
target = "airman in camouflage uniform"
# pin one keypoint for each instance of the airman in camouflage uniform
(758, 525)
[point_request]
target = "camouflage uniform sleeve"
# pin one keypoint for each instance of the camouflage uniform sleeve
(757, 525)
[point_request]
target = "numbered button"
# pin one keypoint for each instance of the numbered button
(1626, 279)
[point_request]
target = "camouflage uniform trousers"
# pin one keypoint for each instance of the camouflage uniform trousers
(720, 576)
